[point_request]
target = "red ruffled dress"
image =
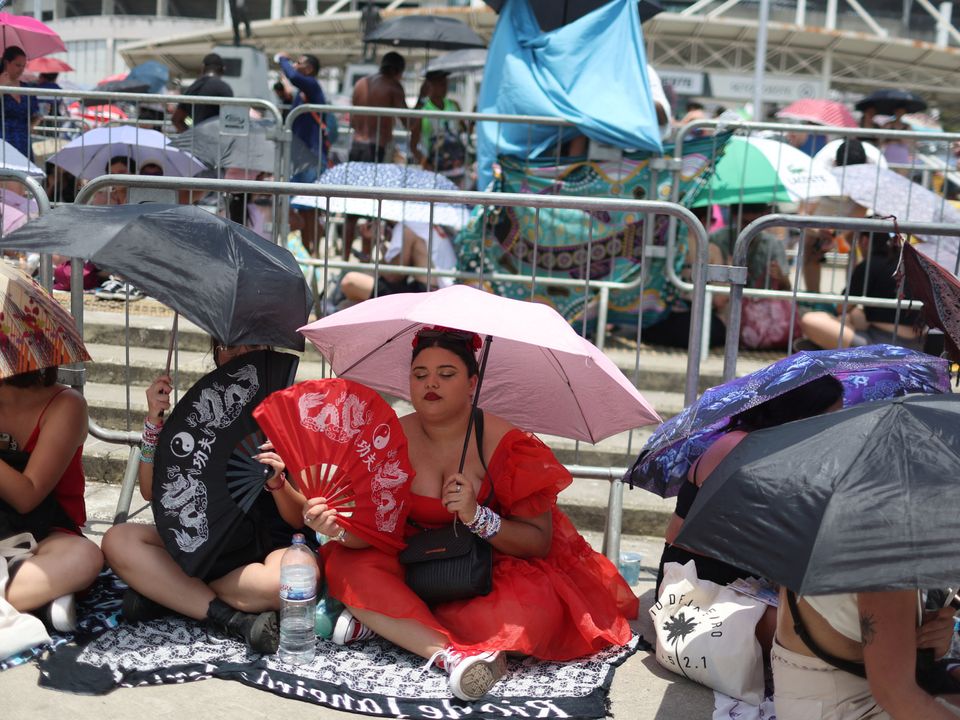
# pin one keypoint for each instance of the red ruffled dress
(569, 604)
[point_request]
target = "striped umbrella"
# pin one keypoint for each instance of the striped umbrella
(819, 111)
(35, 332)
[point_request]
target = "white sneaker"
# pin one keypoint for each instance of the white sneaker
(472, 674)
(62, 613)
(348, 629)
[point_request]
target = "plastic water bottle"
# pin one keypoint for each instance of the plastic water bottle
(298, 603)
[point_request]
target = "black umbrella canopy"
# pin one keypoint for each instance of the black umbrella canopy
(231, 282)
(888, 102)
(426, 31)
(205, 475)
(860, 500)
(552, 14)
(249, 146)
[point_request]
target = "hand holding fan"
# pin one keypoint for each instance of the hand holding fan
(341, 441)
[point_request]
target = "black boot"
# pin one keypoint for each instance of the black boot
(138, 608)
(261, 632)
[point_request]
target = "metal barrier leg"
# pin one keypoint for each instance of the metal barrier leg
(705, 329)
(602, 316)
(614, 525)
(129, 483)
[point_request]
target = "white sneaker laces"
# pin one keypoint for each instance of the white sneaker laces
(448, 656)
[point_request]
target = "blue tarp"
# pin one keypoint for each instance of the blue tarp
(591, 72)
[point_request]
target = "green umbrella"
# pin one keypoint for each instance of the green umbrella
(757, 170)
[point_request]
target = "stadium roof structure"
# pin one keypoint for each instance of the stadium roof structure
(840, 59)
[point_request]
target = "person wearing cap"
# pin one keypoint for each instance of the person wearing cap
(210, 83)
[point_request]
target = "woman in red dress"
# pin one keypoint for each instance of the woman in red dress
(553, 597)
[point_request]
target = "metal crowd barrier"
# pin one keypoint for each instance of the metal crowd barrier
(752, 231)
(735, 273)
(612, 536)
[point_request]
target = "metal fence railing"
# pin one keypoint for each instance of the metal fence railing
(862, 225)
(589, 206)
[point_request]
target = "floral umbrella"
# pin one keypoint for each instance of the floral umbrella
(874, 372)
(35, 331)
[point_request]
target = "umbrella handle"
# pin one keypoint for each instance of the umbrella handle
(173, 342)
(476, 397)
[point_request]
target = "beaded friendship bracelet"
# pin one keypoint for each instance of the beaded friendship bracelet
(485, 523)
(148, 441)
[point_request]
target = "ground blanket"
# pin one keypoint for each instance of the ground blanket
(372, 678)
(97, 611)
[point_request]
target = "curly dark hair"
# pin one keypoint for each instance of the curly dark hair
(812, 398)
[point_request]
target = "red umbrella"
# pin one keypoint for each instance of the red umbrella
(96, 115)
(29, 34)
(46, 65)
(822, 112)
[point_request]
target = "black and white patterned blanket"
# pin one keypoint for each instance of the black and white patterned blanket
(373, 678)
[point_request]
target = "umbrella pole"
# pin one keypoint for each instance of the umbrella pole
(476, 398)
(173, 342)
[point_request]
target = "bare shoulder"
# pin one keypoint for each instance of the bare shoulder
(68, 408)
(494, 429)
(70, 400)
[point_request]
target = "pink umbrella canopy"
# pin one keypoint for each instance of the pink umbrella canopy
(822, 112)
(12, 218)
(29, 34)
(540, 374)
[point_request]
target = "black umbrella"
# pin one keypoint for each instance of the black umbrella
(552, 14)
(126, 85)
(240, 142)
(231, 282)
(864, 499)
(887, 102)
(205, 479)
(426, 31)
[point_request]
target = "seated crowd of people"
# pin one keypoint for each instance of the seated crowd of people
(553, 597)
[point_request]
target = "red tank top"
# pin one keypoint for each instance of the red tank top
(69, 489)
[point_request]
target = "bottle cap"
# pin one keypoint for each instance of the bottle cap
(298, 539)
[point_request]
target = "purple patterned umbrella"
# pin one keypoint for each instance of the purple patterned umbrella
(874, 372)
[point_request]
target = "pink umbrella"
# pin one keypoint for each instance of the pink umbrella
(822, 112)
(29, 34)
(540, 374)
(44, 65)
(96, 115)
(12, 218)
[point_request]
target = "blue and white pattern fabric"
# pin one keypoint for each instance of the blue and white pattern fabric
(872, 372)
(386, 175)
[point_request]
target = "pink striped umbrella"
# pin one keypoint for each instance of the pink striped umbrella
(819, 111)
(32, 36)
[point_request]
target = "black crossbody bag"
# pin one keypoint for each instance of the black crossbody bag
(450, 563)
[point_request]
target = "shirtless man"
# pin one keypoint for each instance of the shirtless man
(372, 134)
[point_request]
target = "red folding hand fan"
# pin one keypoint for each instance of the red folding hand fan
(341, 441)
